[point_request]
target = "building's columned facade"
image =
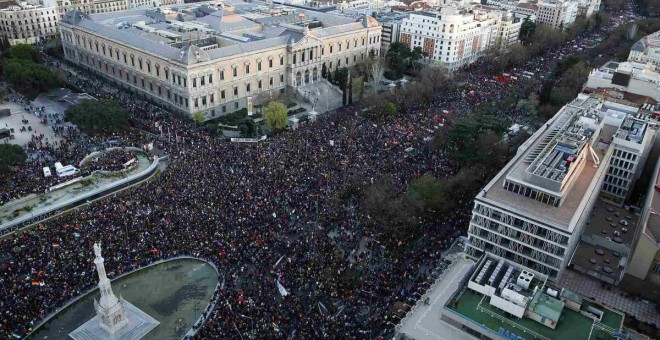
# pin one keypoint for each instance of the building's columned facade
(213, 75)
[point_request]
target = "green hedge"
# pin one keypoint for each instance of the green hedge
(296, 111)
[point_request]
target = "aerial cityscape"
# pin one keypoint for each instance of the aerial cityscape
(330, 169)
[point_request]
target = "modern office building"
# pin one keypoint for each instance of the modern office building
(557, 14)
(391, 23)
(646, 50)
(213, 58)
(536, 208)
(453, 37)
(643, 274)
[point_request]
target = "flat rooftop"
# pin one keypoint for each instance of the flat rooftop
(548, 149)
(617, 223)
(562, 215)
(572, 325)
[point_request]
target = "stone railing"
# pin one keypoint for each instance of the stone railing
(66, 204)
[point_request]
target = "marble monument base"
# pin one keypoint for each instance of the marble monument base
(139, 324)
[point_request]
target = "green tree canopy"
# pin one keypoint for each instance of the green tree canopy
(98, 115)
(275, 116)
(198, 117)
(390, 108)
(472, 140)
(23, 52)
(11, 155)
(28, 77)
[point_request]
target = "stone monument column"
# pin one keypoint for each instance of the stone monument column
(111, 311)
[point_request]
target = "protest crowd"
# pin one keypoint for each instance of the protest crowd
(263, 213)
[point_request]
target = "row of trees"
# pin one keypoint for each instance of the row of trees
(21, 68)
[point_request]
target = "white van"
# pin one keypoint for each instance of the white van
(47, 172)
(67, 171)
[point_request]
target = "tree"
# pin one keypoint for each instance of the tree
(275, 116)
(428, 190)
(462, 140)
(98, 115)
(248, 128)
(23, 52)
(11, 155)
(529, 106)
(198, 117)
(28, 77)
(390, 108)
(397, 55)
(377, 70)
(526, 30)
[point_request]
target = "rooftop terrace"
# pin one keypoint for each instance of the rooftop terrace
(572, 325)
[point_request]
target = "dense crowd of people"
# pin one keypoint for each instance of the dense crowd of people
(262, 213)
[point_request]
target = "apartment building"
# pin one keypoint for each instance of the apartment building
(558, 14)
(26, 24)
(453, 37)
(646, 50)
(209, 59)
(536, 208)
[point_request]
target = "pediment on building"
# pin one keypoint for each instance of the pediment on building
(306, 42)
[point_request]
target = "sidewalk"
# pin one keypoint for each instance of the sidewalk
(424, 321)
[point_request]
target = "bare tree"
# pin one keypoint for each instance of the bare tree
(632, 32)
(377, 71)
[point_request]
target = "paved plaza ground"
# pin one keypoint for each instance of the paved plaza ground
(424, 321)
(613, 298)
(14, 121)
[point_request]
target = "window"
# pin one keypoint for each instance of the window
(222, 94)
(259, 85)
(656, 267)
(281, 78)
(235, 91)
(247, 88)
(247, 69)
(211, 98)
(281, 61)
(202, 81)
(295, 55)
(195, 83)
(271, 81)
(222, 75)
(210, 79)
(235, 72)
(270, 63)
(259, 66)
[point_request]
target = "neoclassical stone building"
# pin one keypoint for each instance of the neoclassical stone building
(211, 58)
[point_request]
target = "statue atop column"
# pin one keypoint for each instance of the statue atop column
(116, 318)
(111, 311)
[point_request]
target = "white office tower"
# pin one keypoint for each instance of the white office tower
(534, 210)
(116, 319)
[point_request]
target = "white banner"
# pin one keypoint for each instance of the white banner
(281, 289)
(248, 140)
